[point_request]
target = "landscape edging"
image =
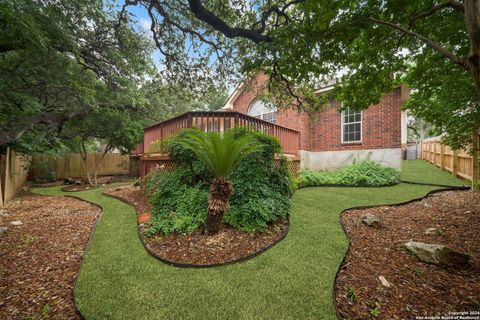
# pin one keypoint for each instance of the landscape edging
(445, 188)
(199, 266)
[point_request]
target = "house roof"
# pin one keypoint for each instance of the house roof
(324, 87)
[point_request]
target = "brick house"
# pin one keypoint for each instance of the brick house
(330, 138)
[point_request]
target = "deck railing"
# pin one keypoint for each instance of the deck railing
(219, 121)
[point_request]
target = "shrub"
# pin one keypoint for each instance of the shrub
(262, 189)
(364, 174)
(176, 207)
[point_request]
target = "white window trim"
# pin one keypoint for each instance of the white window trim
(261, 115)
(342, 126)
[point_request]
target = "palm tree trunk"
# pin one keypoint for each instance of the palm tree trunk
(218, 203)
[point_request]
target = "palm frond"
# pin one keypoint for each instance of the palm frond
(220, 152)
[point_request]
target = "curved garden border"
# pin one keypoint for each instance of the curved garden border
(201, 266)
(342, 264)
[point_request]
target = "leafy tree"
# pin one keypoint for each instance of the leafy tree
(220, 153)
(104, 130)
(57, 61)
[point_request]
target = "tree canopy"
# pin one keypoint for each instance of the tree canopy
(368, 46)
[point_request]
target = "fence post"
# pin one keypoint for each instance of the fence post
(235, 119)
(189, 120)
(475, 164)
(454, 163)
(442, 156)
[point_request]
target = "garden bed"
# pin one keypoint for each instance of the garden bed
(41, 254)
(416, 288)
(197, 249)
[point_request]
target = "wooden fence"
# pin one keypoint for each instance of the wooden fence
(72, 166)
(13, 174)
(458, 162)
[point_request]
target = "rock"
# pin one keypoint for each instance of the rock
(436, 254)
(3, 229)
(371, 220)
(384, 281)
(16, 223)
(68, 181)
(78, 182)
(468, 212)
(433, 231)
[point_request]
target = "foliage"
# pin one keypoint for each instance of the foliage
(177, 206)
(262, 189)
(363, 174)
(219, 152)
(60, 61)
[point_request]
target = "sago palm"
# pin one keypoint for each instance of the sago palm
(221, 153)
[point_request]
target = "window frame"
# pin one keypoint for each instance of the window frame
(262, 115)
(342, 115)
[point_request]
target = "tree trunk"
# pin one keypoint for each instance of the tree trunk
(84, 156)
(218, 203)
(472, 20)
(475, 153)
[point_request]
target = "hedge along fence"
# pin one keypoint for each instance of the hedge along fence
(72, 166)
(13, 174)
(459, 162)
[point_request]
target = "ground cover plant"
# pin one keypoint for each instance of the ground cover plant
(363, 174)
(292, 280)
(262, 187)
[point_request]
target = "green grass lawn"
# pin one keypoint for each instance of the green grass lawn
(424, 172)
(293, 280)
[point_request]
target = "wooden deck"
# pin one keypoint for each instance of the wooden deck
(216, 121)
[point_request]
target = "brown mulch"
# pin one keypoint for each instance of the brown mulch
(199, 249)
(416, 288)
(40, 259)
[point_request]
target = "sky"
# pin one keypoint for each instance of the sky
(142, 21)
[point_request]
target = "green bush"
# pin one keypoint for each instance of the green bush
(176, 206)
(364, 174)
(262, 189)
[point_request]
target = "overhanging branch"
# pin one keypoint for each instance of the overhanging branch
(430, 43)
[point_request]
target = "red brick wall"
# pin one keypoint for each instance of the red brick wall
(287, 118)
(321, 131)
(381, 127)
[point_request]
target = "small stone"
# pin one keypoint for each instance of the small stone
(371, 220)
(432, 231)
(468, 212)
(436, 254)
(78, 182)
(3, 212)
(384, 281)
(3, 230)
(427, 205)
(16, 223)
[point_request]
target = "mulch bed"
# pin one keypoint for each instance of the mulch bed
(40, 259)
(199, 249)
(417, 289)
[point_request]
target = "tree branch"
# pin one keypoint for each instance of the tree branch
(14, 131)
(430, 43)
(207, 16)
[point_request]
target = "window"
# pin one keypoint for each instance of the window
(351, 126)
(259, 110)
